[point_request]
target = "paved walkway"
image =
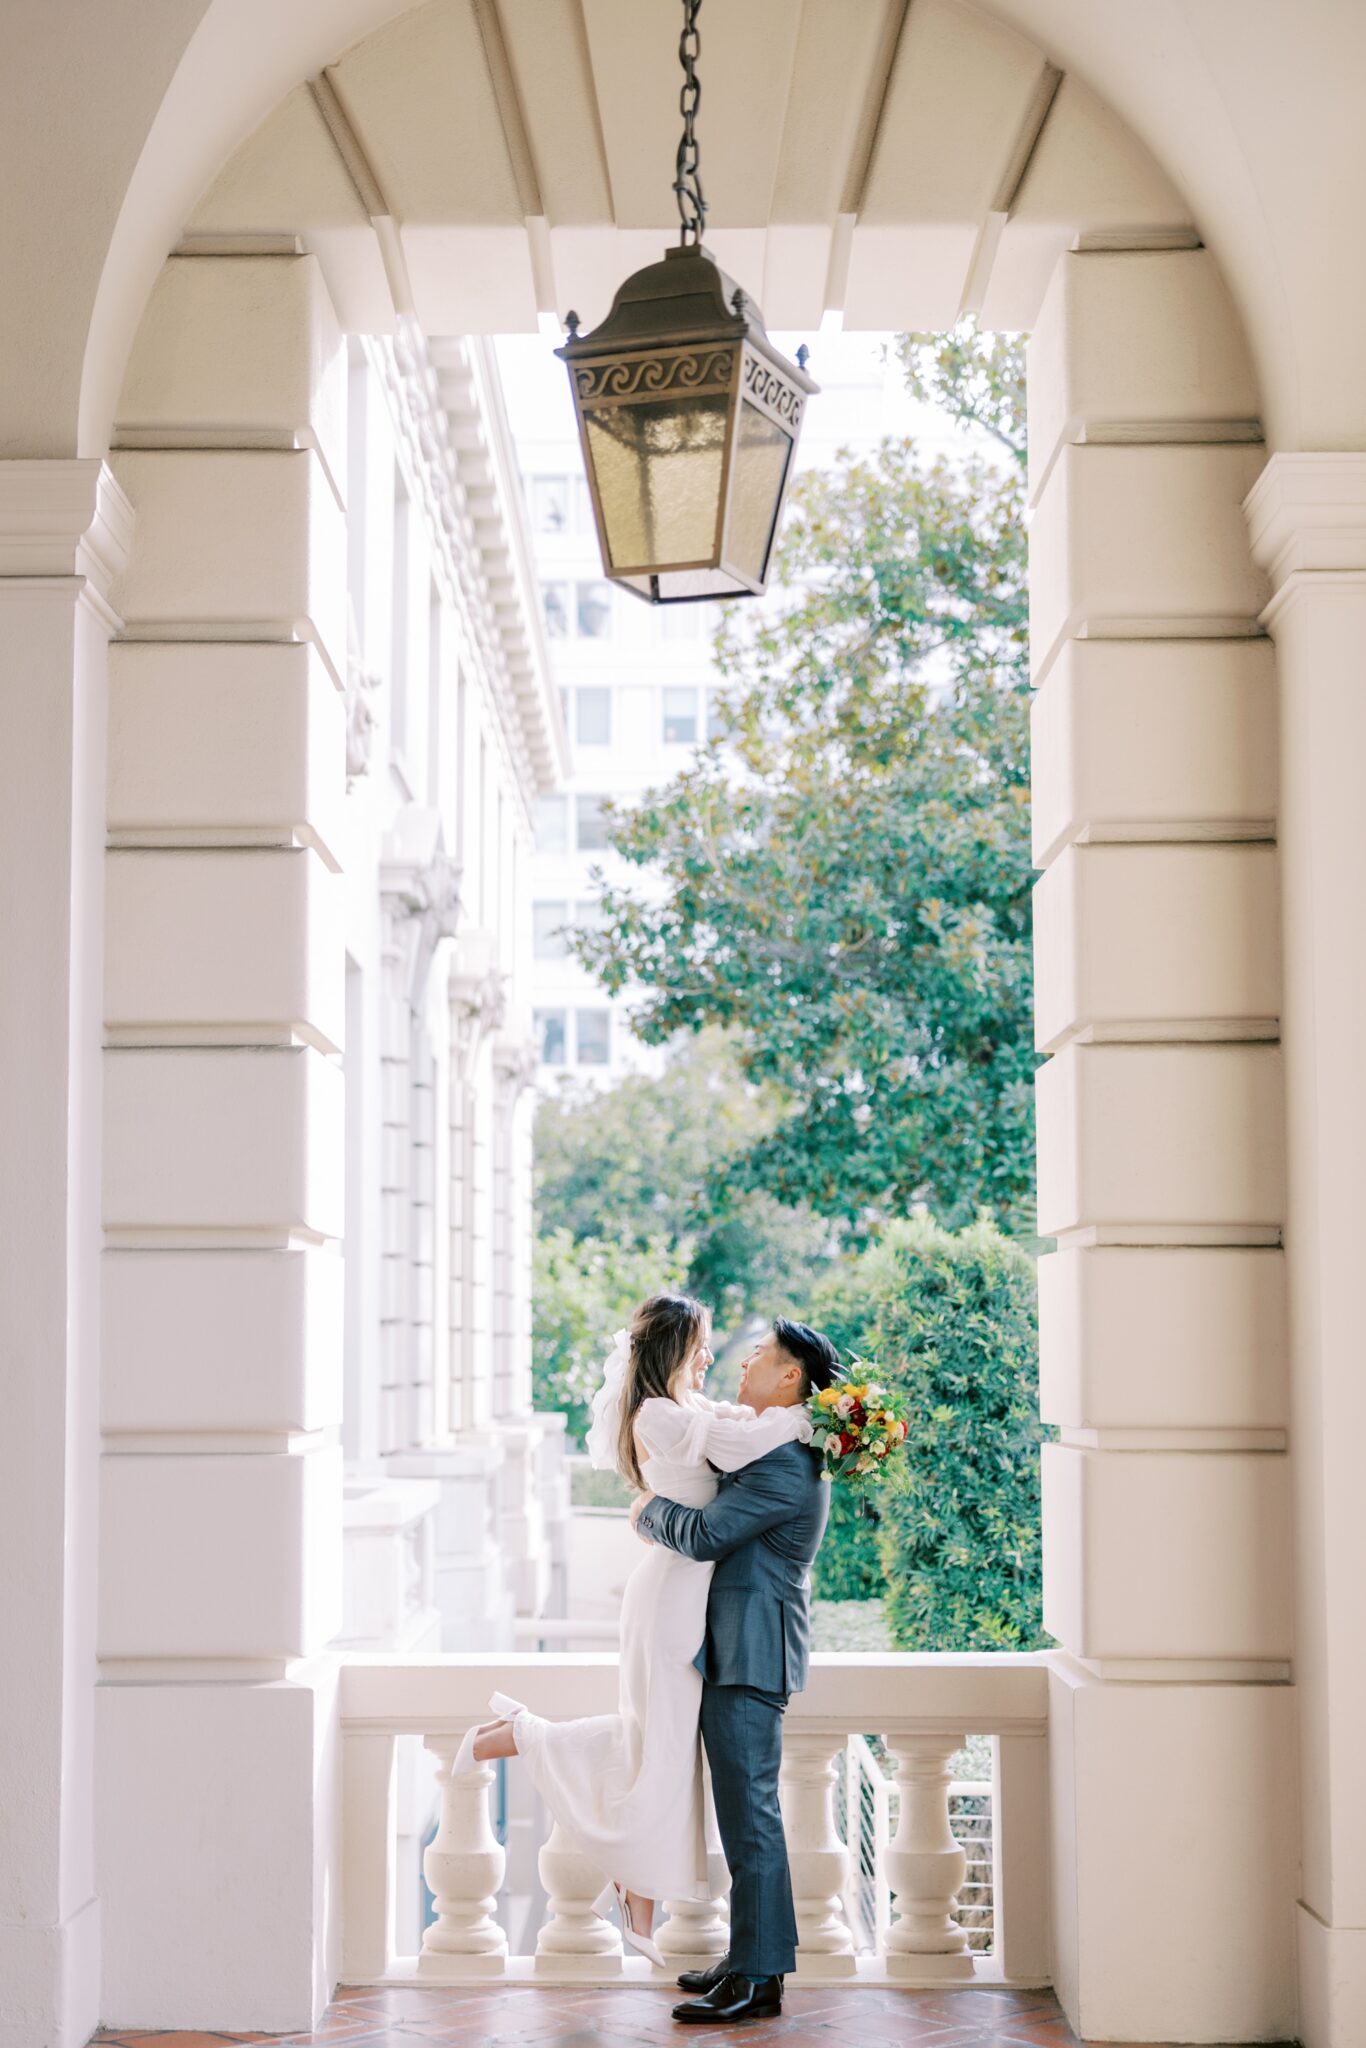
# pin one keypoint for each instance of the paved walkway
(423, 2017)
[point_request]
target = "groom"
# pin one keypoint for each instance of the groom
(763, 1529)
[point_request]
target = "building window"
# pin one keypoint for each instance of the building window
(716, 716)
(550, 504)
(592, 1037)
(594, 829)
(555, 598)
(680, 718)
(552, 824)
(588, 915)
(583, 504)
(550, 1029)
(593, 717)
(594, 606)
(548, 937)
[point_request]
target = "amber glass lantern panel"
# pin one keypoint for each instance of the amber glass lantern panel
(762, 453)
(658, 468)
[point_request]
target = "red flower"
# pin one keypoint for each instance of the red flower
(857, 1414)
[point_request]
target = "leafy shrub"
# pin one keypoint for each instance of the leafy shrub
(950, 1318)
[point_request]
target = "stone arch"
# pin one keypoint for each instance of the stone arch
(232, 64)
(1162, 1099)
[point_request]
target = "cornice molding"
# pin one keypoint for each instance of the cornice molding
(68, 517)
(1306, 513)
(478, 549)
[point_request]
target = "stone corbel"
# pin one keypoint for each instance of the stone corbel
(362, 719)
(514, 1069)
(478, 994)
(420, 890)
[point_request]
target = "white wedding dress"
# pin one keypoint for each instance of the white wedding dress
(628, 1786)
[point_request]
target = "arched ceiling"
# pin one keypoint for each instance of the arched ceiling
(480, 162)
(115, 124)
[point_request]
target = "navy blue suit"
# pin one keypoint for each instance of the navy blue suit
(762, 1530)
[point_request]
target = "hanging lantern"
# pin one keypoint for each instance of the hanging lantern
(688, 415)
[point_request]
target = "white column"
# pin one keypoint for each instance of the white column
(925, 1866)
(64, 528)
(223, 1167)
(1160, 1132)
(818, 1859)
(574, 1941)
(464, 1867)
(1307, 515)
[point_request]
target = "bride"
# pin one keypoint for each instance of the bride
(628, 1786)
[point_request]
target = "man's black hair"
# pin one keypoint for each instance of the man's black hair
(815, 1354)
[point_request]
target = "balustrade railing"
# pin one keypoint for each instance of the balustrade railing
(881, 1837)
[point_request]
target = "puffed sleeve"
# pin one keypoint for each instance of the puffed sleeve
(737, 1436)
(664, 1429)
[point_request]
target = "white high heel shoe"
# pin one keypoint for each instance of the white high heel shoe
(465, 1758)
(613, 1895)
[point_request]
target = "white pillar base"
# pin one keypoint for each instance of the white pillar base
(559, 1969)
(1332, 1968)
(50, 1982)
(904, 1969)
(439, 1969)
(218, 1854)
(814, 1968)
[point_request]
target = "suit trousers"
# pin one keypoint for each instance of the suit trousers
(743, 1732)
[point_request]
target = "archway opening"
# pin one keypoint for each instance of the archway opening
(229, 441)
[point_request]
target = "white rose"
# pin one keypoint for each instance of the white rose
(845, 1405)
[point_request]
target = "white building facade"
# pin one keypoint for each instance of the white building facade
(198, 1787)
(454, 738)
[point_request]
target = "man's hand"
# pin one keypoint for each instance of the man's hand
(638, 1507)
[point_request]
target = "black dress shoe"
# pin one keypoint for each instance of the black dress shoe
(705, 1980)
(734, 1998)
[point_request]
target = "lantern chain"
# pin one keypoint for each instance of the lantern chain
(692, 207)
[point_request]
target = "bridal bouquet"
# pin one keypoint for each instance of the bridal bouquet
(857, 1427)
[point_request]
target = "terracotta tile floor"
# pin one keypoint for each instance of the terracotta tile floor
(421, 2016)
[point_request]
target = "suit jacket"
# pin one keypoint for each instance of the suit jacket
(762, 1530)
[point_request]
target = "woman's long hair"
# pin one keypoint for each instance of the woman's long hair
(665, 1331)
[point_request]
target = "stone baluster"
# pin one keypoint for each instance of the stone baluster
(575, 1942)
(463, 1865)
(697, 1927)
(925, 1866)
(818, 1858)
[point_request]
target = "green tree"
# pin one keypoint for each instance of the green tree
(647, 1163)
(846, 874)
(584, 1289)
(950, 1320)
